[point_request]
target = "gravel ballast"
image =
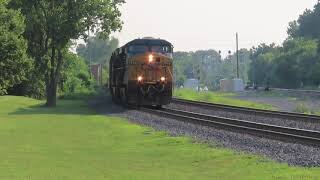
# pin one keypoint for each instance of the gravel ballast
(293, 154)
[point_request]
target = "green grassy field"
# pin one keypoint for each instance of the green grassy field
(219, 98)
(73, 142)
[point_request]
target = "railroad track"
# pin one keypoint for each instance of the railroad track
(275, 132)
(317, 92)
(257, 112)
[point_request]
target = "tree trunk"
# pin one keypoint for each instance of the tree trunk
(52, 83)
(52, 94)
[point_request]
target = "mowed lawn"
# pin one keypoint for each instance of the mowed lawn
(219, 98)
(72, 142)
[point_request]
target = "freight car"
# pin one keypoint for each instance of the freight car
(141, 73)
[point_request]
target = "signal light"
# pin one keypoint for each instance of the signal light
(150, 58)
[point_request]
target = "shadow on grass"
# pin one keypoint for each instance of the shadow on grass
(90, 105)
(65, 107)
(104, 105)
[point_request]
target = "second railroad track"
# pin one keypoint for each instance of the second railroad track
(275, 132)
(258, 112)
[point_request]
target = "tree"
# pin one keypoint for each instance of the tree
(14, 62)
(261, 64)
(297, 64)
(75, 77)
(292, 65)
(97, 50)
(209, 65)
(308, 24)
(51, 24)
(293, 29)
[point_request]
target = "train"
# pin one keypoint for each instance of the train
(141, 73)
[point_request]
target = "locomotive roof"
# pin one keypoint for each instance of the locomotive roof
(148, 42)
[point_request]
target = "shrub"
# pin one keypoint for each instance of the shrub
(302, 108)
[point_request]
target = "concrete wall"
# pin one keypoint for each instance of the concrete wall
(191, 84)
(231, 85)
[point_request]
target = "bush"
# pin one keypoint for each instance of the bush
(302, 108)
(14, 62)
(75, 78)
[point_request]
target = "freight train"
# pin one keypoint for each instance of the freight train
(141, 73)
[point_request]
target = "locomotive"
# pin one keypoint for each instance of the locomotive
(141, 73)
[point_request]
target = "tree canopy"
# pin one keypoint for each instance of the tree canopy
(209, 66)
(75, 76)
(97, 50)
(14, 62)
(294, 64)
(51, 24)
(307, 25)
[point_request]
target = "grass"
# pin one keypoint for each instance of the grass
(73, 142)
(303, 109)
(219, 98)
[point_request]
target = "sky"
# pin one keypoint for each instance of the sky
(210, 24)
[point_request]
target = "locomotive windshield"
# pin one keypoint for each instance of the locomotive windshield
(161, 49)
(140, 49)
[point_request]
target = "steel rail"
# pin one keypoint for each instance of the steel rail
(297, 90)
(265, 130)
(251, 111)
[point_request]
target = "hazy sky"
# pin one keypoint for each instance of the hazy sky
(210, 24)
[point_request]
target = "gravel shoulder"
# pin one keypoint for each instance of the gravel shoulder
(291, 153)
(283, 102)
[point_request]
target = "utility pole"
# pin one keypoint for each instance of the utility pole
(101, 77)
(89, 53)
(200, 70)
(199, 74)
(237, 41)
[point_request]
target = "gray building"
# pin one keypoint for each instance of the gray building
(191, 84)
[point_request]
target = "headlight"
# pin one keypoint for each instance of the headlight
(163, 79)
(140, 78)
(150, 58)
